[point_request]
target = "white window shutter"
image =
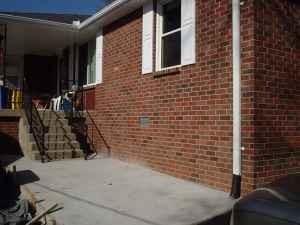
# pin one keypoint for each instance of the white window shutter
(147, 54)
(99, 57)
(188, 32)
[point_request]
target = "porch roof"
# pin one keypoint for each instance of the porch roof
(113, 11)
(27, 37)
(48, 34)
(55, 17)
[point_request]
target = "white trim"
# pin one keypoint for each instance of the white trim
(160, 35)
(170, 32)
(102, 13)
(91, 46)
(99, 57)
(90, 85)
(147, 38)
(188, 32)
(170, 67)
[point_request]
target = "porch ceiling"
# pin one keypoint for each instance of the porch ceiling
(29, 38)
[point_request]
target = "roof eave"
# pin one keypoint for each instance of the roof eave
(102, 13)
(117, 4)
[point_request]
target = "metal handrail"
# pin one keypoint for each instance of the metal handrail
(86, 126)
(94, 127)
(36, 125)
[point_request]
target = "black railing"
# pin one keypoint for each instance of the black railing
(83, 125)
(94, 133)
(35, 122)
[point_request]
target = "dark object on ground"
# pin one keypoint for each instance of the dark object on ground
(13, 211)
(20, 213)
(223, 219)
(9, 190)
(277, 204)
(8, 144)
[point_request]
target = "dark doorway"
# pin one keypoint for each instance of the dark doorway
(64, 71)
(41, 74)
(83, 62)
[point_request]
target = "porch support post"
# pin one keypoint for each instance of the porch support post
(58, 80)
(4, 55)
(75, 56)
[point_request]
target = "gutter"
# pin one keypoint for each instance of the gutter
(236, 76)
(114, 5)
(39, 21)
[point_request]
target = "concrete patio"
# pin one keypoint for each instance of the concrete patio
(108, 191)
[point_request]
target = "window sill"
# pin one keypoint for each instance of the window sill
(90, 86)
(166, 72)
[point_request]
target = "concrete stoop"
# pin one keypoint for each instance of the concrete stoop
(60, 141)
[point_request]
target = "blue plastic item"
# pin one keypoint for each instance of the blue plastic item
(66, 105)
(2, 98)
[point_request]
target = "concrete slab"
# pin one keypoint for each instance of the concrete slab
(108, 191)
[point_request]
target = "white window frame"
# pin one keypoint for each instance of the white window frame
(88, 69)
(160, 35)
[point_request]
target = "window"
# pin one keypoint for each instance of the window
(169, 34)
(91, 67)
(87, 63)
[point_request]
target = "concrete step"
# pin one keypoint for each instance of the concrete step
(49, 115)
(48, 112)
(53, 146)
(60, 114)
(56, 122)
(52, 137)
(55, 130)
(59, 154)
(60, 129)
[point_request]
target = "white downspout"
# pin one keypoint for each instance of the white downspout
(236, 68)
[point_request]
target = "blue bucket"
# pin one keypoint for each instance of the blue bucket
(3, 97)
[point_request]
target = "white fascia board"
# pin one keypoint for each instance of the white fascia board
(102, 13)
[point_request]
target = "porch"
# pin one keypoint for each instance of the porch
(108, 191)
(50, 59)
(40, 61)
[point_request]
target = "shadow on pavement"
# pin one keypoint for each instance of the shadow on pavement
(9, 145)
(6, 160)
(26, 177)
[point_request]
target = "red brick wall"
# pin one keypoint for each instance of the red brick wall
(89, 96)
(189, 134)
(277, 90)
(9, 139)
(9, 126)
(190, 130)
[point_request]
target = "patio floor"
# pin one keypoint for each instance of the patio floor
(111, 192)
